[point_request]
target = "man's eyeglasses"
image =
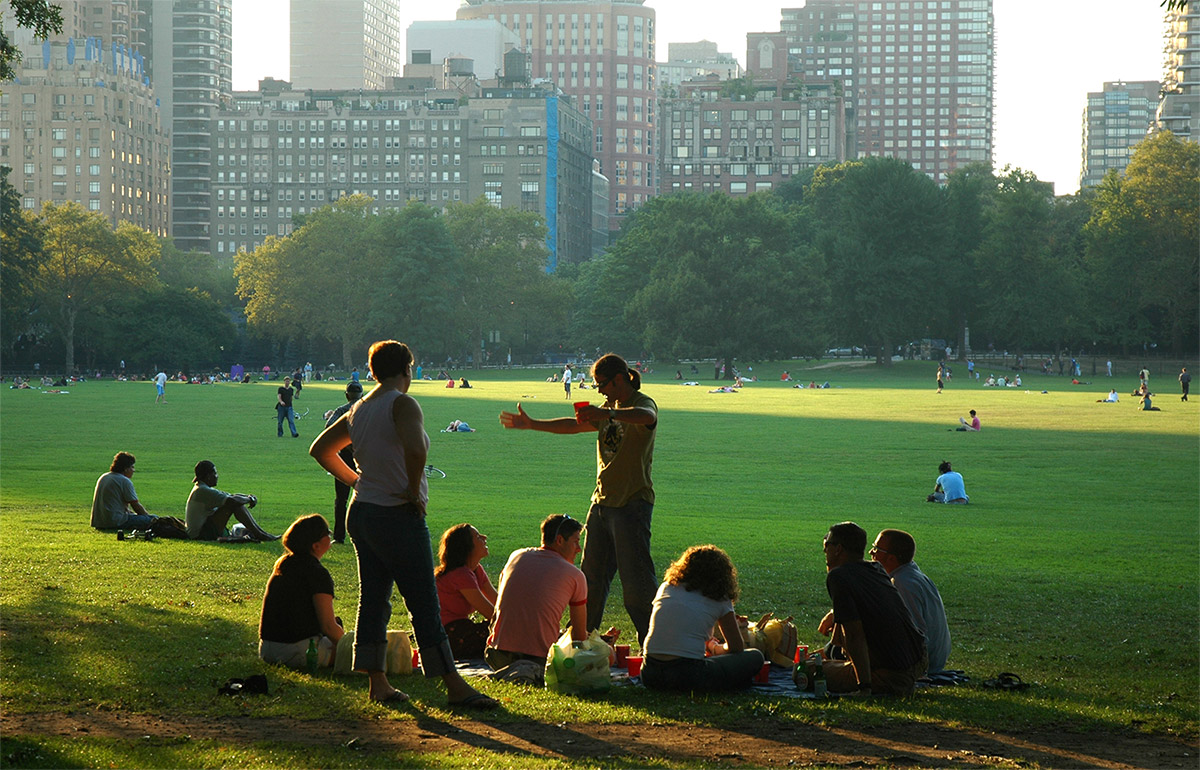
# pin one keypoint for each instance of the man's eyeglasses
(598, 384)
(876, 549)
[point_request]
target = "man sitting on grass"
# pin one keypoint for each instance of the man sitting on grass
(209, 509)
(973, 425)
(893, 550)
(874, 645)
(949, 487)
(114, 498)
(536, 586)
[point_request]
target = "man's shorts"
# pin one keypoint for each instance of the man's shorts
(160, 388)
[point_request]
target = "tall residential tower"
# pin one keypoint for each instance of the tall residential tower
(347, 44)
(601, 53)
(918, 76)
(1115, 120)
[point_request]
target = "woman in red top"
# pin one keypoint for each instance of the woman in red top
(464, 587)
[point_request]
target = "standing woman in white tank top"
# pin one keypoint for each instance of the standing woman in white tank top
(386, 523)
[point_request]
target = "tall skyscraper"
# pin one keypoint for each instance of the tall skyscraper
(601, 52)
(686, 61)
(348, 44)
(1179, 111)
(1115, 120)
(188, 45)
(918, 76)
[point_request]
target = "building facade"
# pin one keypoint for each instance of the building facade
(918, 76)
(483, 41)
(1114, 121)
(1179, 110)
(189, 52)
(282, 151)
(601, 53)
(752, 138)
(348, 44)
(81, 125)
(687, 61)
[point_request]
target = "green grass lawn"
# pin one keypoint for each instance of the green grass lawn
(1076, 564)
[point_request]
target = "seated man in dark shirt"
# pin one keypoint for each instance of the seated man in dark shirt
(869, 625)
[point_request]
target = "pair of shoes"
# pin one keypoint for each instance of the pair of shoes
(1006, 681)
(477, 701)
(395, 699)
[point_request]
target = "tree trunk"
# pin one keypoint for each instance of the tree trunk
(884, 354)
(347, 352)
(728, 367)
(964, 340)
(68, 337)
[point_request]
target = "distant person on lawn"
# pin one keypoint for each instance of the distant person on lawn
(874, 645)
(973, 425)
(209, 509)
(893, 550)
(114, 503)
(949, 487)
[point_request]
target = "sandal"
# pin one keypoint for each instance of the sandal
(477, 701)
(395, 699)
(1006, 681)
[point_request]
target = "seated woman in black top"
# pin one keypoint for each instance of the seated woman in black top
(298, 603)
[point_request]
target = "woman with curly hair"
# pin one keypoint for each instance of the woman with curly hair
(697, 594)
(464, 587)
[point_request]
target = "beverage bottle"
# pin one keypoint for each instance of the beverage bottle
(310, 656)
(800, 673)
(820, 687)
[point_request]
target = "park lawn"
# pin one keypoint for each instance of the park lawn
(1075, 564)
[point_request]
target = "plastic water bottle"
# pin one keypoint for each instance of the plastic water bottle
(820, 686)
(311, 656)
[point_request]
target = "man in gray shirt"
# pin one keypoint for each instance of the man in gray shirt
(893, 550)
(114, 504)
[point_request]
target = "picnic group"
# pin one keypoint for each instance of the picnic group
(886, 630)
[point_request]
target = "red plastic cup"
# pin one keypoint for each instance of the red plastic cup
(416, 658)
(579, 405)
(622, 653)
(801, 653)
(764, 673)
(634, 663)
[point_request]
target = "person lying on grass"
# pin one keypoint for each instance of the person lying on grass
(209, 509)
(697, 594)
(874, 646)
(298, 601)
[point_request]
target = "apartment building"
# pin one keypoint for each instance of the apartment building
(918, 75)
(282, 151)
(82, 125)
(601, 54)
(1179, 110)
(1114, 121)
(347, 44)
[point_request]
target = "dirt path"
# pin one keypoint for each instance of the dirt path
(753, 744)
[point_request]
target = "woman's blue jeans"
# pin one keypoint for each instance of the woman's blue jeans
(393, 548)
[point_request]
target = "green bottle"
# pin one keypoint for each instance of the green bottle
(311, 656)
(820, 686)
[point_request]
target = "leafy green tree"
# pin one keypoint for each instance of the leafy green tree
(716, 275)
(40, 16)
(20, 247)
(180, 328)
(968, 193)
(1029, 293)
(882, 231)
(86, 264)
(417, 293)
(502, 282)
(322, 280)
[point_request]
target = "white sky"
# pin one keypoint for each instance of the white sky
(1049, 54)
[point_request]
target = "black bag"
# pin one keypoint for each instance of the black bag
(169, 527)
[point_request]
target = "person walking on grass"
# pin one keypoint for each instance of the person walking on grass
(283, 407)
(941, 376)
(1185, 382)
(618, 523)
(160, 384)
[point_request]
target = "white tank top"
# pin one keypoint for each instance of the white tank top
(379, 453)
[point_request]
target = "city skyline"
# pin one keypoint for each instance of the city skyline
(1048, 57)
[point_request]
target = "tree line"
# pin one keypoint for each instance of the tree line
(867, 253)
